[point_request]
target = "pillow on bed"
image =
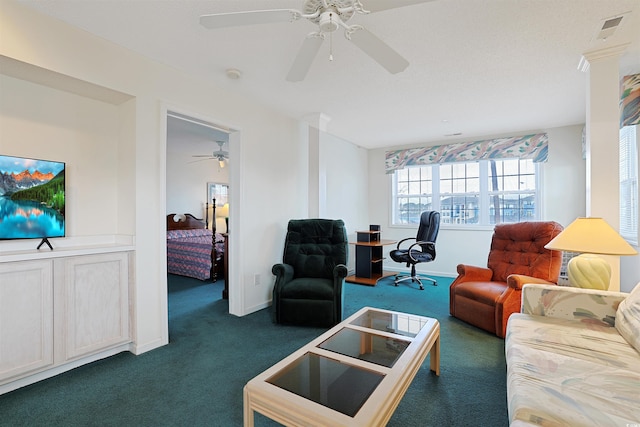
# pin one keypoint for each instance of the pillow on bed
(180, 234)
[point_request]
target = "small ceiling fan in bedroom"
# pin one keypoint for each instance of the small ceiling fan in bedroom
(328, 15)
(221, 155)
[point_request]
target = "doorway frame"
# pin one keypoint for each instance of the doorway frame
(236, 292)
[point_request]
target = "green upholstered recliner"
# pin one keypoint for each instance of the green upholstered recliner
(308, 287)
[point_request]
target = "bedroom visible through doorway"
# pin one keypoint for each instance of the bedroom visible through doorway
(197, 160)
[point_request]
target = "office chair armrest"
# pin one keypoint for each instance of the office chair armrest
(516, 281)
(340, 271)
(470, 273)
(432, 248)
(283, 273)
(404, 240)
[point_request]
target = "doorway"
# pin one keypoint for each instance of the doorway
(197, 156)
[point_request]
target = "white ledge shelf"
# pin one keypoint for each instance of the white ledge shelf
(46, 253)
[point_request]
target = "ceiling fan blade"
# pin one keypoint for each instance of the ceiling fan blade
(378, 5)
(234, 19)
(381, 52)
(203, 155)
(304, 59)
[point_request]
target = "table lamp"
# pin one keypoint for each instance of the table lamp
(223, 212)
(590, 236)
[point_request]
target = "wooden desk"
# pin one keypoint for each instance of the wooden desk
(369, 258)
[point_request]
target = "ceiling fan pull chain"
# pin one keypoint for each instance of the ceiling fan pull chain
(331, 39)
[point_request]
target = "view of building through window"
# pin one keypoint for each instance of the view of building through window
(485, 192)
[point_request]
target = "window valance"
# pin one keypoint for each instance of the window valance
(630, 101)
(523, 147)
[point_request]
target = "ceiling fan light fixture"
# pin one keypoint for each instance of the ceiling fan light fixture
(221, 163)
(327, 22)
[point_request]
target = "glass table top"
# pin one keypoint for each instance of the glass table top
(339, 386)
(396, 323)
(366, 346)
(340, 383)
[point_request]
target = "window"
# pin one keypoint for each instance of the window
(459, 193)
(484, 192)
(629, 184)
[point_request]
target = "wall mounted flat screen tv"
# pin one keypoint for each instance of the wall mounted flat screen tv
(32, 198)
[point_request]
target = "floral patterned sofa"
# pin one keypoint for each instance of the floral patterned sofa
(573, 358)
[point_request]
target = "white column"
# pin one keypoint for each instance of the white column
(602, 124)
(318, 123)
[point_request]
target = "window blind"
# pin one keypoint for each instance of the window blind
(629, 184)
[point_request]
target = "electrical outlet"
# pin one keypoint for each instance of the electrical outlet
(256, 279)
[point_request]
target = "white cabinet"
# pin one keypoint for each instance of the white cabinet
(95, 294)
(61, 312)
(26, 317)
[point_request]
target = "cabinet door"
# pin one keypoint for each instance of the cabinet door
(26, 317)
(96, 295)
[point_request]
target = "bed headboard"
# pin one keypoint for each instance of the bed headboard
(183, 222)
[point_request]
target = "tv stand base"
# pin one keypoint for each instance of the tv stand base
(45, 240)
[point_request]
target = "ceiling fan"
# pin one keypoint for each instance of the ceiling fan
(221, 155)
(329, 15)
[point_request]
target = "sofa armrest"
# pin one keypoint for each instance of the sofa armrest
(585, 305)
(517, 281)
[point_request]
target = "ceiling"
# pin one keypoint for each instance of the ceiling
(477, 68)
(194, 136)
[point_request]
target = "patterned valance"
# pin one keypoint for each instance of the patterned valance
(522, 147)
(630, 101)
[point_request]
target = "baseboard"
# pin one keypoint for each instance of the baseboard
(139, 349)
(59, 369)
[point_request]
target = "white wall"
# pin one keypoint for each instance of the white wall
(187, 179)
(564, 194)
(267, 178)
(40, 122)
(345, 174)
(333, 185)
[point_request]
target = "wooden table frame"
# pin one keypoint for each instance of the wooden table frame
(293, 410)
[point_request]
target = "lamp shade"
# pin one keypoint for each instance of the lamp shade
(593, 236)
(223, 211)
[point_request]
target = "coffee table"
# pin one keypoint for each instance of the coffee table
(355, 374)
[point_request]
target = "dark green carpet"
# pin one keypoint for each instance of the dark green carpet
(197, 379)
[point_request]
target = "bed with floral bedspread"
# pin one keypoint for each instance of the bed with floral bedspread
(190, 248)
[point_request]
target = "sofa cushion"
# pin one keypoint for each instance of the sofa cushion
(628, 318)
(484, 292)
(566, 373)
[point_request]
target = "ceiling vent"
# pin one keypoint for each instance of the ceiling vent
(609, 26)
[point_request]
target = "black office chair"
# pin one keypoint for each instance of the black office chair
(423, 250)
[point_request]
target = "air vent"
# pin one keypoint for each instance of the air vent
(609, 26)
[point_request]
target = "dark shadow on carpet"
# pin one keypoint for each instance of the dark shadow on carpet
(197, 379)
